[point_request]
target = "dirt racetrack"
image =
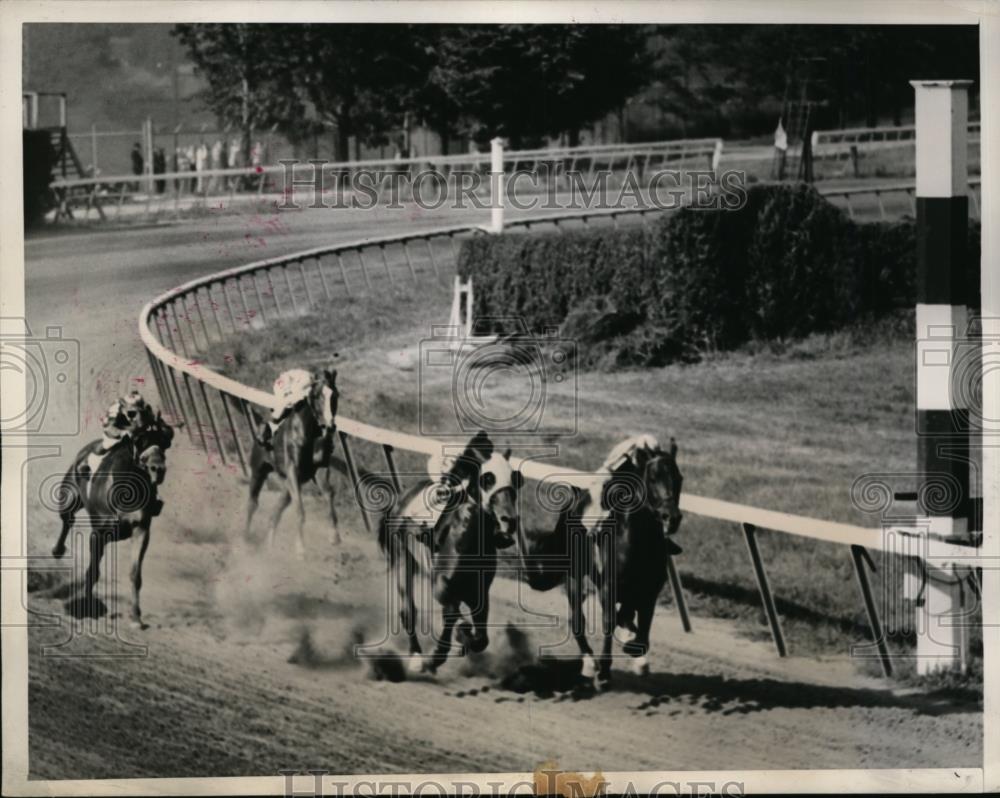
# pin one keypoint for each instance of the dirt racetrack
(214, 691)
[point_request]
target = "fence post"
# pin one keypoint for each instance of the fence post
(943, 446)
(750, 533)
(497, 185)
(860, 555)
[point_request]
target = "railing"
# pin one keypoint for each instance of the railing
(828, 141)
(895, 196)
(217, 411)
(116, 196)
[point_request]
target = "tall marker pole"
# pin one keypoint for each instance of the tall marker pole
(497, 187)
(943, 452)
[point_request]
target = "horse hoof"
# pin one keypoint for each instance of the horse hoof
(589, 668)
(640, 666)
(58, 552)
(634, 649)
(137, 623)
(416, 663)
(604, 681)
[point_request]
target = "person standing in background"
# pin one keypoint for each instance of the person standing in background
(234, 162)
(216, 163)
(200, 163)
(159, 167)
(137, 164)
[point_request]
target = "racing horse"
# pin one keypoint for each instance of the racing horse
(120, 496)
(302, 444)
(617, 534)
(457, 523)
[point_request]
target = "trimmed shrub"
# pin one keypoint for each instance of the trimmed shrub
(785, 265)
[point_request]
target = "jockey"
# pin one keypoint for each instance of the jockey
(127, 416)
(290, 388)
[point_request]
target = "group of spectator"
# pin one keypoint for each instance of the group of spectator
(199, 159)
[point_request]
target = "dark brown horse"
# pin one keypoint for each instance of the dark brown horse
(301, 446)
(120, 496)
(618, 539)
(455, 526)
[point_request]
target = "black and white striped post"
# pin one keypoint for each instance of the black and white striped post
(943, 506)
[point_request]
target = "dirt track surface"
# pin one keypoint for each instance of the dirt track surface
(216, 694)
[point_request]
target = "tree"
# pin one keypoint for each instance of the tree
(531, 81)
(247, 69)
(359, 79)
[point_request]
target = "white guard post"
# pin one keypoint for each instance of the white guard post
(497, 187)
(943, 419)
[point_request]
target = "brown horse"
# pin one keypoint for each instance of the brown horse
(476, 514)
(302, 444)
(120, 497)
(619, 541)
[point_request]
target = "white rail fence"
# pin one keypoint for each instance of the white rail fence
(111, 197)
(181, 325)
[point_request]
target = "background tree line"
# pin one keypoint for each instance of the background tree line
(529, 83)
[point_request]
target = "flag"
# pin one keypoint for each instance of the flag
(780, 137)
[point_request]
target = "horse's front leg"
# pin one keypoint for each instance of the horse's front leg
(451, 613)
(257, 479)
(70, 504)
(98, 542)
(140, 542)
(578, 624)
(404, 567)
(295, 495)
(283, 501)
(331, 498)
(638, 647)
(476, 638)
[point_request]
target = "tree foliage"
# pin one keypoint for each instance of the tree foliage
(247, 69)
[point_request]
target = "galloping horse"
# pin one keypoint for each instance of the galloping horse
(472, 513)
(120, 497)
(302, 444)
(614, 535)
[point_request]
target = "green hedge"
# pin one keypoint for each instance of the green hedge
(785, 265)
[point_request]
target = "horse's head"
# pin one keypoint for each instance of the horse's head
(155, 432)
(499, 484)
(663, 480)
(153, 462)
(324, 396)
(487, 479)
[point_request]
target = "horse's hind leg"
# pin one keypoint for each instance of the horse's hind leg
(140, 542)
